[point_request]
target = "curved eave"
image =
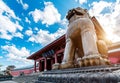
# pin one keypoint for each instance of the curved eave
(114, 46)
(49, 46)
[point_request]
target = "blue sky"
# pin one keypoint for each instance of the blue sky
(28, 25)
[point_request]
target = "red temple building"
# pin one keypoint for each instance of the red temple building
(53, 53)
(50, 54)
(22, 71)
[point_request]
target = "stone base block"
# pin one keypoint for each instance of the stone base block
(66, 65)
(55, 66)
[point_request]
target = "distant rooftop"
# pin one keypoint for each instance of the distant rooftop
(22, 68)
(114, 47)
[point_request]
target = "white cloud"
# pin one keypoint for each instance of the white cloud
(36, 28)
(8, 29)
(1, 57)
(81, 1)
(45, 37)
(24, 5)
(98, 7)
(18, 34)
(27, 20)
(17, 55)
(8, 12)
(3, 67)
(48, 16)
(29, 32)
(64, 23)
(108, 15)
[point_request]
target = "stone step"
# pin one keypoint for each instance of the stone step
(100, 74)
(83, 78)
(84, 69)
(43, 82)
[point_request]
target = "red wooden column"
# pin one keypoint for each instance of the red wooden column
(56, 61)
(35, 65)
(39, 65)
(57, 52)
(45, 64)
(62, 56)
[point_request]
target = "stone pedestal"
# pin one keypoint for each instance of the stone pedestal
(93, 74)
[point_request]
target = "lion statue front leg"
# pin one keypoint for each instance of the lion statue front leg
(68, 59)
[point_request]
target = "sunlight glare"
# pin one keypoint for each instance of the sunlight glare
(112, 36)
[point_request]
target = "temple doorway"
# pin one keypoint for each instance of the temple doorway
(42, 65)
(49, 64)
(59, 58)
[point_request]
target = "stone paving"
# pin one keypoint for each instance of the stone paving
(27, 79)
(8, 82)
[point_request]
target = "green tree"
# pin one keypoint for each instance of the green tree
(0, 67)
(0, 71)
(8, 69)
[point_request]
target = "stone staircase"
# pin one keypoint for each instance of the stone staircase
(96, 74)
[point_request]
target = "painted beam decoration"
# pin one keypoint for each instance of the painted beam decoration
(48, 53)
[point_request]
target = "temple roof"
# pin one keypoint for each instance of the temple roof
(50, 46)
(23, 68)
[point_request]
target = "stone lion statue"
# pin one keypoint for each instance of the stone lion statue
(86, 44)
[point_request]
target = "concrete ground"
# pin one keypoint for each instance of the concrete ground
(8, 82)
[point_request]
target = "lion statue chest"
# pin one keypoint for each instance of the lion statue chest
(76, 27)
